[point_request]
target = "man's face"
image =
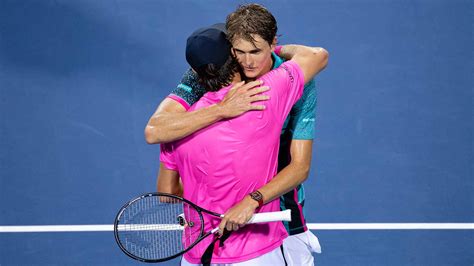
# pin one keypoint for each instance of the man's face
(254, 58)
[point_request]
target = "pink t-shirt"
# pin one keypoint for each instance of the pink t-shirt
(222, 163)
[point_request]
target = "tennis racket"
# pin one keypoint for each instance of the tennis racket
(156, 227)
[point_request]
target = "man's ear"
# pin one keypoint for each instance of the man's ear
(232, 51)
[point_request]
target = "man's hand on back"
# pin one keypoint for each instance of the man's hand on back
(239, 99)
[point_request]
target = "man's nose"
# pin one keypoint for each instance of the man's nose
(248, 60)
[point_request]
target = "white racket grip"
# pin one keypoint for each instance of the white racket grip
(265, 217)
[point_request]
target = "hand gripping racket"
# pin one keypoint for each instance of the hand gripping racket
(156, 227)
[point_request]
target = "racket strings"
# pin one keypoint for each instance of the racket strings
(150, 227)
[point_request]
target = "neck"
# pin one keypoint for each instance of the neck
(269, 66)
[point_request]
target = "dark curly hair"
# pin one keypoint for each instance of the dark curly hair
(251, 19)
(213, 78)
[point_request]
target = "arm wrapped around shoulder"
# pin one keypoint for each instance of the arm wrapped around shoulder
(311, 60)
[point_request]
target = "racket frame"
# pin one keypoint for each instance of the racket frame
(198, 209)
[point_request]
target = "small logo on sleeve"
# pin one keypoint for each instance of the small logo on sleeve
(185, 87)
(289, 73)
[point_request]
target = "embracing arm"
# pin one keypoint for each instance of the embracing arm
(171, 122)
(310, 59)
(287, 179)
(293, 174)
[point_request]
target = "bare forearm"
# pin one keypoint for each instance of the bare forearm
(165, 127)
(290, 50)
(290, 177)
(286, 180)
(168, 181)
(293, 174)
(175, 188)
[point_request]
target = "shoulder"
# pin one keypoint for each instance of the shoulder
(189, 77)
(188, 91)
(288, 71)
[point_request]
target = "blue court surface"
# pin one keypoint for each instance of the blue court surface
(79, 80)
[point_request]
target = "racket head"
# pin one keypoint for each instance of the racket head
(149, 228)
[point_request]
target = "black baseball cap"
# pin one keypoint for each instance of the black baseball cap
(208, 45)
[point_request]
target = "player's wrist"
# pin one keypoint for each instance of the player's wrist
(250, 202)
(220, 111)
(257, 198)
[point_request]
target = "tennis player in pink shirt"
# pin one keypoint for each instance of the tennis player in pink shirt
(228, 161)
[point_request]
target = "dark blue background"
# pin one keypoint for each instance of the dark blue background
(79, 80)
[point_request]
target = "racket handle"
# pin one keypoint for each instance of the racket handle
(265, 217)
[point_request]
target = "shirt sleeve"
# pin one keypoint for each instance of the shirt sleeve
(303, 114)
(188, 91)
(167, 156)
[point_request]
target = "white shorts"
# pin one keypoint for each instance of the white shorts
(300, 247)
(272, 258)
